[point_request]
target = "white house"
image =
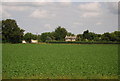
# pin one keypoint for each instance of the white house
(34, 41)
(70, 38)
(23, 41)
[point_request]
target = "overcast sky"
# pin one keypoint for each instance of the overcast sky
(76, 17)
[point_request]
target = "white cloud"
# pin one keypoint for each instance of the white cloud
(90, 7)
(5, 14)
(90, 14)
(48, 26)
(42, 14)
(77, 23)
(19, 8)
(112, 7)
(36, 1)
(39, 3)
(28, 1)
(98, 23)
(15, 8)
(65, 3)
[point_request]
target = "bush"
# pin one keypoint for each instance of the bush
(83, 42)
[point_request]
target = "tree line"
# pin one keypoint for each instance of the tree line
(12, 33)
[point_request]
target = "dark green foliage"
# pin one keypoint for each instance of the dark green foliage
(11, 32)
(106, 36)
(86, 34)
(70, 34)
(29, 36)
(114, 36)
(0, 31)
(39, 40)
(60, 33)
(83, 42)
(89, 35)
(47, 36)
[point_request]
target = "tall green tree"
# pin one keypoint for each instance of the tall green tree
(86, 34)
(29, 36)
(117, 35)
(47, 36)
(60, 33)
(105, 36)
(70, 34)
(90, 35)
(0, 31)
(11, 32)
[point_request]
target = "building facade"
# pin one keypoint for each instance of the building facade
(70, 38)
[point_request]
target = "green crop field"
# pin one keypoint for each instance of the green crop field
(59, 61)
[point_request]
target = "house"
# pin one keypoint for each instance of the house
(23, 41)
(70, 38)
(34, 41)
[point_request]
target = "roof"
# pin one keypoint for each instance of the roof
(70, 37)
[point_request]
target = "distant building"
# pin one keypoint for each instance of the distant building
(34, 41)
(23, 41)
(70, 38)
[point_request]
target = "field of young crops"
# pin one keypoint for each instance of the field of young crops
(62, 61)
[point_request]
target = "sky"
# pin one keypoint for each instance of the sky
(76, 17)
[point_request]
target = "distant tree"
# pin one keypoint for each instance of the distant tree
(113, 37)
(97, 37)
(0, 31)
(28, 37)
(39, 40)
(86, 34)
(0, 26)
(105, 36)
(45, 36)
(11, 32)
(79, 37)
(34, 37)
(117, 35)
(60, 33)
(70, 34)
(52, 35)
(92, 36)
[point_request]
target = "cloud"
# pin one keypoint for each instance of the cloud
(26, 4)
(77, 23)
(15, 6)
(92, 7)
(36, 1)
(5, 14)
(48, 26)
(41, 14)
(23, 0)
(112, 7)
(18, 8)
(98, 23)
(90, 14)
(64, 2)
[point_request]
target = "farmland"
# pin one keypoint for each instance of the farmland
(41, 61)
